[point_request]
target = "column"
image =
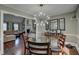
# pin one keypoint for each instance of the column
(1, 33)
(40, 29)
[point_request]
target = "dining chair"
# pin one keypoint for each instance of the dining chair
(55, 46)
(61, 43)
(25, 43)
(36, 48)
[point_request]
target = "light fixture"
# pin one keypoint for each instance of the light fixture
(41, 16)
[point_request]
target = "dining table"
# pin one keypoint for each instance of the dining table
(54, 46)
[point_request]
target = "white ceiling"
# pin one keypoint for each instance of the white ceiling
(49, 9)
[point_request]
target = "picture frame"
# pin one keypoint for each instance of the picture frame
(53, 24)
(62, 24)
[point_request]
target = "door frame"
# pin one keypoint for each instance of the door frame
(2, 20)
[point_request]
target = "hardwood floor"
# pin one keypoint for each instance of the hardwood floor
(16, 47)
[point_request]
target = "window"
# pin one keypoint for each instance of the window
(54, 24)
(57, 24)
(62, 23)
(5, 26)
(15, 27)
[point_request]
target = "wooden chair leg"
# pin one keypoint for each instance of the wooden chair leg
(24, 51)
(50, 52)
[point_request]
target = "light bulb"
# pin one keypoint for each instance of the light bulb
(35, 23)
(47, 22)
(41, 21)
(48, 17)
(41, 13)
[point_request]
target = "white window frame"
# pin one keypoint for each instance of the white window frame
(16, 26)
(5, 26)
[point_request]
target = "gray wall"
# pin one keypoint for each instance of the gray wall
(11, 19)
(77, 14)
(70, 26)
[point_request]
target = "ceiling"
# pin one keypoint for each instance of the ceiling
(48, 9)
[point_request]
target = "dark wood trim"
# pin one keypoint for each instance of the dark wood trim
(39, 44)
(37, 53)
(38, 49)
(9, 41)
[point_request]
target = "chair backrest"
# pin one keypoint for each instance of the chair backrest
(25, 39)
(38, 48)
(61, 43)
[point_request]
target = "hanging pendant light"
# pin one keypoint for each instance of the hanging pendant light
(41, 16)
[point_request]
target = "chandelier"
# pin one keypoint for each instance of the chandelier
(41, 16)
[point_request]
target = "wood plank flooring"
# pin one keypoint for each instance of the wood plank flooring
(16, 47)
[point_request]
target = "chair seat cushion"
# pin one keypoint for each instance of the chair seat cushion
(55, 49)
